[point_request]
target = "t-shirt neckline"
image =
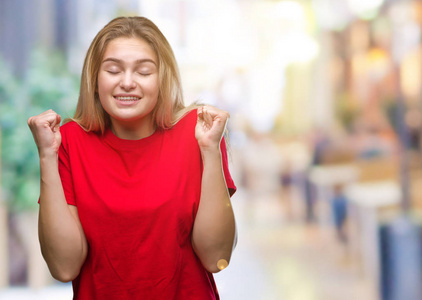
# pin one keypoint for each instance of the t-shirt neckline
(117, 142)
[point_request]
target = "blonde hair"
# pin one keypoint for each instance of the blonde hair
(169, 108)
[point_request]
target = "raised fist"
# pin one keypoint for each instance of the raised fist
(45, 128)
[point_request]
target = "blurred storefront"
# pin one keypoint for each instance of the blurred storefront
(373, 67)
(373, 128)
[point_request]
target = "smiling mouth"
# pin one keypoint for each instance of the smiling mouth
(127, 99)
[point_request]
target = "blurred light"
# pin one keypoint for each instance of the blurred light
(289, 10)
(297, 47)
(228, 41)
(331, 14)
(400, 13)
(378, 63)
(411, 74)
(366, 9)
(266, 95)
(293, 44)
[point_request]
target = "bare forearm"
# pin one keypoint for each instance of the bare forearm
(62, 241)
(214, 229)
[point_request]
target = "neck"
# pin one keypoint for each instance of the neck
(133, 130)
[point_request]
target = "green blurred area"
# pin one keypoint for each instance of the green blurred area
(47, 84)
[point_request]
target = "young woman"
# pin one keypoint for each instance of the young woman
(135, 189)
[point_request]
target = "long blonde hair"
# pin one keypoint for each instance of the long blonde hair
(169, 108)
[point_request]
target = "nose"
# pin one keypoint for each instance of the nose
(127, 82)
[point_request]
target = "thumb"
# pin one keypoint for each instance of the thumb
(56, 128)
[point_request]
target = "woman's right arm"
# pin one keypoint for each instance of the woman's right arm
(63, 243)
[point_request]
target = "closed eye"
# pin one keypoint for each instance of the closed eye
(145, 70)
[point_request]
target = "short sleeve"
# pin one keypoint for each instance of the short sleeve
(65, 171)
(229, 181)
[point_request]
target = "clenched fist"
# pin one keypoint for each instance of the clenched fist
(45, 128)
(210, 127)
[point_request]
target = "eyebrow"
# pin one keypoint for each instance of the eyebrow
(138, 61)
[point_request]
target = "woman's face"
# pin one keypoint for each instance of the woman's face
(128, 81)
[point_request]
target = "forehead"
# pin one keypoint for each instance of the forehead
(129, 49)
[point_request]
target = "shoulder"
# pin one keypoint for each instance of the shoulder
(187, 121)
(183, 132)
(70, 127)
(72, 131)
(190, 117)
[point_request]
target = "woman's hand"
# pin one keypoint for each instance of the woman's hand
(210, 127)
(45, 129)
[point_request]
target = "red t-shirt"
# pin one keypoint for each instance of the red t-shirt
(137, 201)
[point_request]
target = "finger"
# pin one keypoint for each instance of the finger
(207, 117)
(200, 112)
(58, 120)
(217, 113)
(52, 119)
(46, 113)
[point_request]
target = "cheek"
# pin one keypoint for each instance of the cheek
(102, 84)
(153, 88)
(102, 93)
(104, 87)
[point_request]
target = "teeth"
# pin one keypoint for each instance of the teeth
(127, 98)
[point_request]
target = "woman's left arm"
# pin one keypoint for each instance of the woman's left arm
(214, 230)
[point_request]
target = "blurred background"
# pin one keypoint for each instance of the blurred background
(325, 134)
